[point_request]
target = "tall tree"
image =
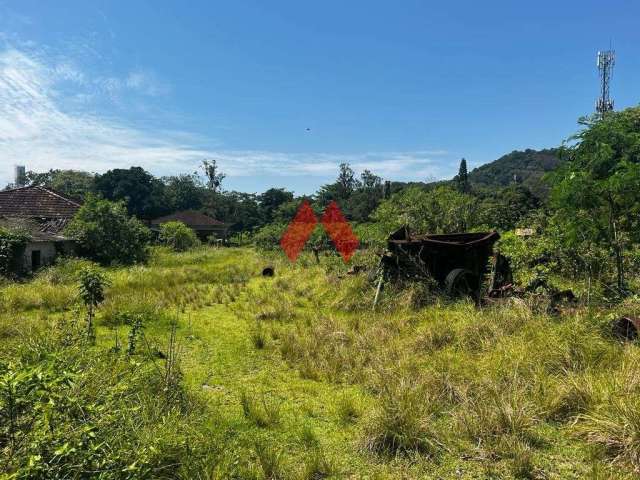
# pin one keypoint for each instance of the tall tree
(184, 192)
(462, 179)
(271, 200)
(596, 191)
(369, 180)
(504, 208)
(366, 198)
(104, 232)
(143, 194)
(213, 174)
(240, 210)
(73, 183)
(340, 190)
(347, 179)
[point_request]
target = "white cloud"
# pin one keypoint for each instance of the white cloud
(138, 81)
(397, 165)
(43, 128)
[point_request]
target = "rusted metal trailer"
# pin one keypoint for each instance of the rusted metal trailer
(458, 262)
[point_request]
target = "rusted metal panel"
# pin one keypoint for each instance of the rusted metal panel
(627, 327)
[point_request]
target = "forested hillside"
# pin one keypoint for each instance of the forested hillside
(523, 167)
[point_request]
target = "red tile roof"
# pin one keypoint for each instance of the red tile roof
(190, 218)
(36, 201)
(40, 230)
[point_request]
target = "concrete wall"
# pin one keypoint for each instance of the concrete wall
(48, 252)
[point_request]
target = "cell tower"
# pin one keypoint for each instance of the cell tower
(606, 61)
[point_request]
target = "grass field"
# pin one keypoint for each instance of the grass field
(296, 377)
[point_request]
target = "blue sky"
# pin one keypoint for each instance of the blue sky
(282, 92)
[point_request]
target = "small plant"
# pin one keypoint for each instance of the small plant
(318, 466)
(116, 344)
(91, 286)
(258, 336)
(308, 437)
(172, 373)
(270, 459)
(264, 413)
(349, 408)
(134, 332)
(401, 423)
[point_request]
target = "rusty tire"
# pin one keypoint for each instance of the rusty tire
(460, 283)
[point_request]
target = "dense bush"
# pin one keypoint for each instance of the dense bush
(268, 237)
(440, 210)
(12, 245)
(178, 237)
(107, 234)
(67, 411)
(596, 190)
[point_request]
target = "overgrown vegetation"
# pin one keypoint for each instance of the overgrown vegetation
(177, 236)
(230, 374)
(12, 246)
(329, 389)
(104, 232)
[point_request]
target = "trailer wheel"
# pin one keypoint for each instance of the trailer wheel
(460, 282)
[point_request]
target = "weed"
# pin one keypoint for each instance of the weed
(317, 466)
(521, 465)
(616, 427)
(134, 332)
(258, 336)
(495, 413)
(349, 408)
(402, 422)
(308, 437)
(270, 460)
(263, 412)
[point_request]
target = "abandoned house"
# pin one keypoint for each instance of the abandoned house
(205, 226)
(43, 214)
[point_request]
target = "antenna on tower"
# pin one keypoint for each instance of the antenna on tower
(605, 62)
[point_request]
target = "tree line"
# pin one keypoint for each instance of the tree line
(586, 217)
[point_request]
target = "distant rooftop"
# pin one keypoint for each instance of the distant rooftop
(36, 202)
(191, 218)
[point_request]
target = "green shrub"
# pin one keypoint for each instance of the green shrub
(91, 285)
(71, 412)
(178, 237)
(12, 246)
(268, 237)
(106, 234)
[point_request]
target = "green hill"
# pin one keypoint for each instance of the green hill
(524, 167)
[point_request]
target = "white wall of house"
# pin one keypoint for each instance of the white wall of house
(48, 252)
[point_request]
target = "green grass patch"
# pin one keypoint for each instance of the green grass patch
(235, 375)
